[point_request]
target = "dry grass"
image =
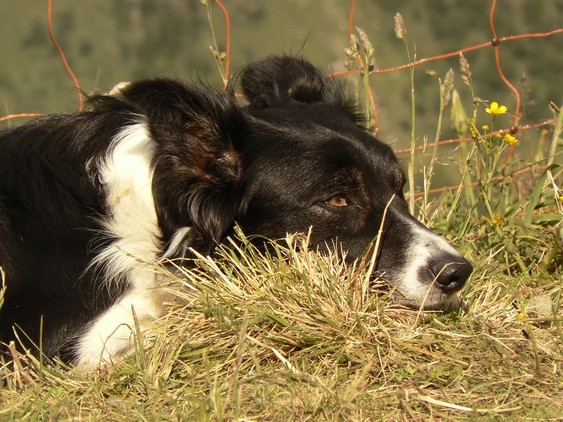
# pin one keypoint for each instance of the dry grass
(294, 336)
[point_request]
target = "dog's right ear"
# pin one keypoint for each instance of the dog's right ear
(197, 165)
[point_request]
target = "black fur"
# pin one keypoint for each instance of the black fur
(279, 164)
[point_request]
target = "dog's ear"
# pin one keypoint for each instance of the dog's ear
(281, 79)
(197, 168)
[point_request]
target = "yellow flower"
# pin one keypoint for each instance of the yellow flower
(496, 109)
(485, 128)
(520, 316)
(497, 219)
(510, 139)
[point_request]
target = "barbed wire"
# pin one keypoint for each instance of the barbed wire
(62, 55)
(495, 42)
(548, 122)
(20, 116)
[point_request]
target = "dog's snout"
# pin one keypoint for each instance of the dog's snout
(451, 272)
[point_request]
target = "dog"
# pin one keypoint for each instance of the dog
(90, 201)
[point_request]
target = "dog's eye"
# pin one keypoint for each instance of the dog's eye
(337, 201)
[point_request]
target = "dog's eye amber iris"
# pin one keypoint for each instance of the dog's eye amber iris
(337, 201)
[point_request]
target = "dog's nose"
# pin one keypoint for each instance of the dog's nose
(451, 272)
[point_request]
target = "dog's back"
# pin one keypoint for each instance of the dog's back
(91, 201)
(48, 204)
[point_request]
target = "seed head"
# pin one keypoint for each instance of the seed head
(400, 28)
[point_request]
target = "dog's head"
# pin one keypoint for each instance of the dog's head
(309, 163)
(297, 158)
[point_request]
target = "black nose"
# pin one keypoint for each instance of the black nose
(451, 272)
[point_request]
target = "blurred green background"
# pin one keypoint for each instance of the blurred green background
(111, 41)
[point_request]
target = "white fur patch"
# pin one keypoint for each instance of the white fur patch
(127, 177)
(111, 336)
(126, 174)
(425, 245)
(177, 245)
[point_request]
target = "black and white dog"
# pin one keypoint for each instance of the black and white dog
(90, 201)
